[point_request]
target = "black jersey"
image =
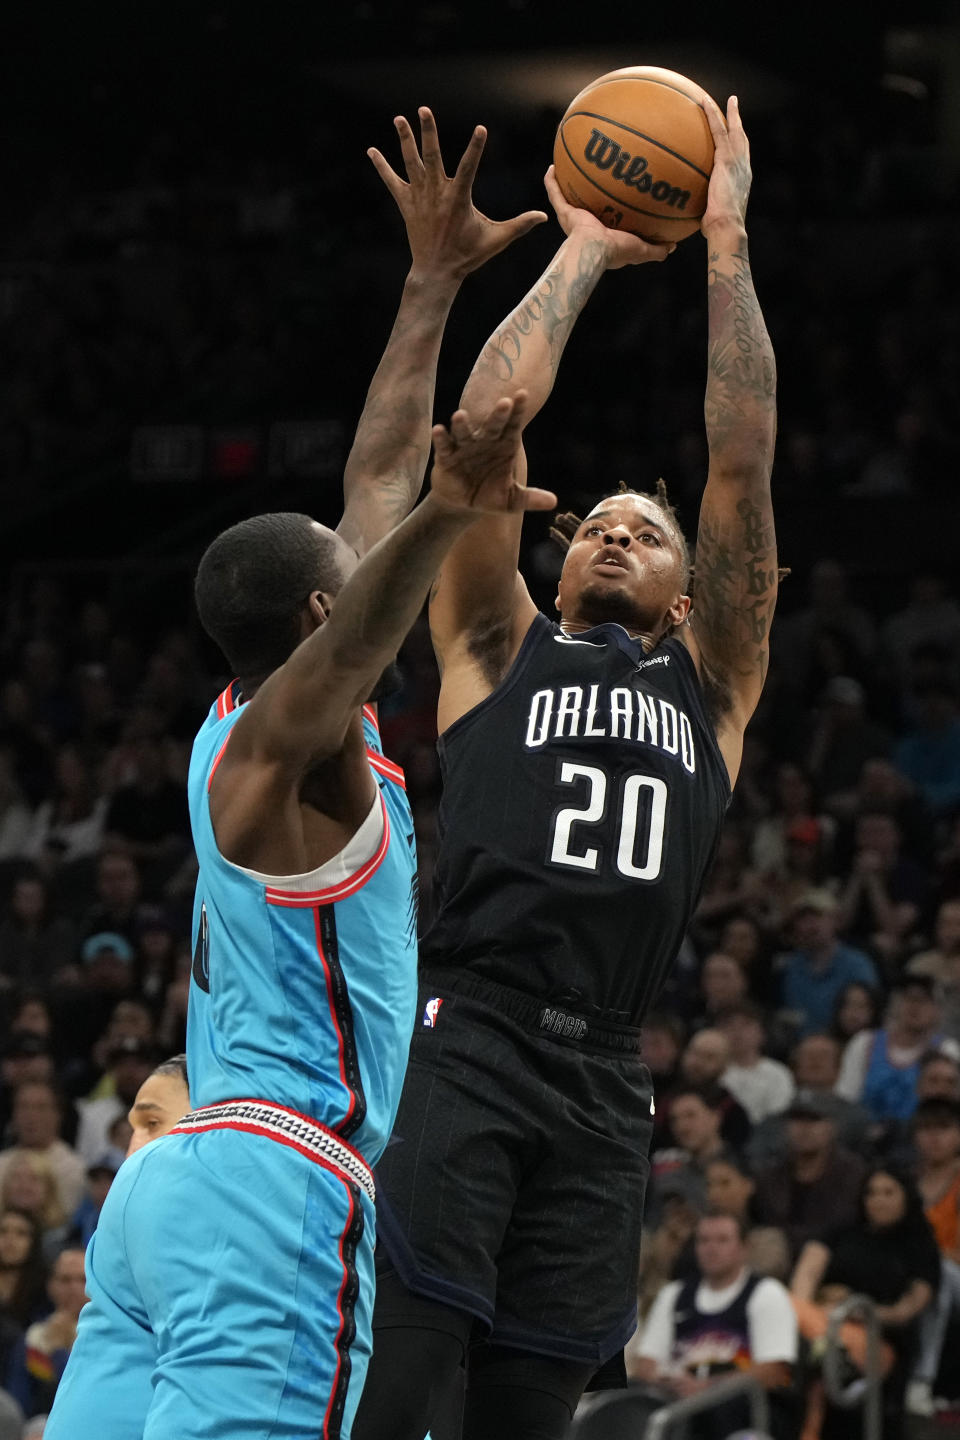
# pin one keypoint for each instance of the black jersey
(581, 808)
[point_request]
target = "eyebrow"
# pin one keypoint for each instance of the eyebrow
(647, 520)
(144, 1105)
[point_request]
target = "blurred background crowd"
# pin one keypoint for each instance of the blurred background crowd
(198, 269)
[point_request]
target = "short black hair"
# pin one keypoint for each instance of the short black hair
(176, 1065)
(253, 582)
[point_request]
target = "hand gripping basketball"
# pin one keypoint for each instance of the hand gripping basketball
(622, 247)
(730, 181)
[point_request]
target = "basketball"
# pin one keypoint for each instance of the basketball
(635, 149)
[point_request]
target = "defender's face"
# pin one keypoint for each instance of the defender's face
(160, 1103)
(624, 564)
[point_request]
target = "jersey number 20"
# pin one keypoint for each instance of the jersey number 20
(637, 792)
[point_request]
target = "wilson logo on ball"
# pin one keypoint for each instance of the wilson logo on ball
(632, 171)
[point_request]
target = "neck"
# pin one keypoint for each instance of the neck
(646, 637)
(720, 1282)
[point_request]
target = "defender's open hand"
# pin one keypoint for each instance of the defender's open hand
(448, 235)
(474, 466)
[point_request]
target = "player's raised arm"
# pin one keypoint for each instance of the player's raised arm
(735, 585)
(480, 608)
(448, 239)
(300, 714)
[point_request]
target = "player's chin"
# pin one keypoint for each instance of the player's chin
(608, 598)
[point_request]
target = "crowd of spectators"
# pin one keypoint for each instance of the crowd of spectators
(806, 1051)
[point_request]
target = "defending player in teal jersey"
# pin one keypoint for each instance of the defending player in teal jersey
(231, 1275)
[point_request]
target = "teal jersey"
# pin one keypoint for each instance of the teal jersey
(303, 989)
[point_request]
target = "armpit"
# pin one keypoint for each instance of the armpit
(489, 645)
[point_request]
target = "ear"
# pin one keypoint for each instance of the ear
(556, 604)
(316, 611)
(679, 610)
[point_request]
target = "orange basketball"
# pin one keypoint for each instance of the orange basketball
(635, 149)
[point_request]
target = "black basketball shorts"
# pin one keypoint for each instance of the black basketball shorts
(513, 1185)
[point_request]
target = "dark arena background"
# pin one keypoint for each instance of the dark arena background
(198, 271)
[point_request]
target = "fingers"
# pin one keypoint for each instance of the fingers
(658, 253)
(443, 445)
(408, 147)
(525, 498)
(470, 159)
(555, 195)
(511, 230)
(715, 118)
(387, 174)
(429, 140)
(733, 114)
(505, 418)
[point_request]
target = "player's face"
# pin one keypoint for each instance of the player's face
(161, 1101)
(625, 565)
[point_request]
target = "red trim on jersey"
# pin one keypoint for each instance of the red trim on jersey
(226, 702)
(308, 898)
(387, 767)
(333, 1017)
(338, 1343)
(216, 761)
(287, 1110)
(371, 715)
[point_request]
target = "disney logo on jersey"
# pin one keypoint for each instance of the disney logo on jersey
(431, 1010)
(618, 712)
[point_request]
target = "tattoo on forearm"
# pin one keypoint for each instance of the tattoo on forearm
(736, 588)
(741, 374)
(549, 310)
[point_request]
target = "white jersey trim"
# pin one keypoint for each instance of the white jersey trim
(358, 852)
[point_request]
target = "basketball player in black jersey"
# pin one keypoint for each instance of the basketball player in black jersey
(587, 768)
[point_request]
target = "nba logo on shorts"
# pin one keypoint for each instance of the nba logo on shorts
(431, 1010)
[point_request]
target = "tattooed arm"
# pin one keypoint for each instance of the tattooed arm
(448, 239)
(735, 586)
(480, 609)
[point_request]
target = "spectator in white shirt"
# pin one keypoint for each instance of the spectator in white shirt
(762, 1085)
(723, 1320)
